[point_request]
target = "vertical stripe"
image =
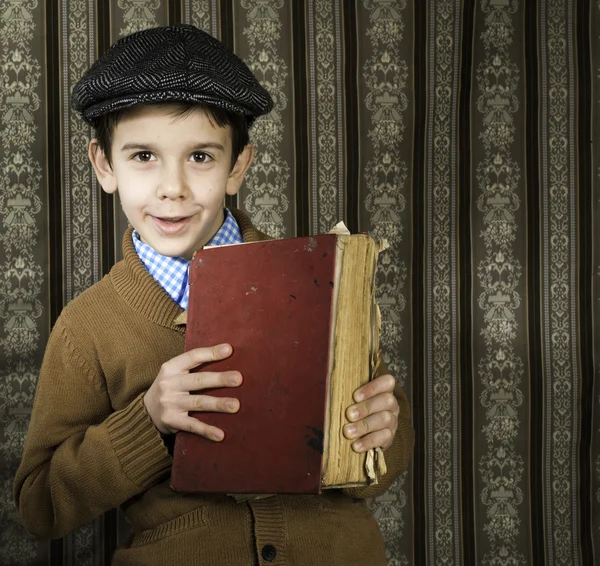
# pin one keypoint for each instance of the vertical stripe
(339, 89)
(441, 298)
(227, 23)
(465, 266)
(534, 285)
(559, 268)
(54, 168)
(594, 237)
(175, 9)
(227, 36)
(95, 236)
(499, 340)
(454, 283)
(431, 521)
(312, 73)
(215, 21)
(584, 121)
(82, 261)
(420, 389)
(574, 538)
(108, 243)
(326, 121)
(350, 107)
(66, 154)
(301, 145)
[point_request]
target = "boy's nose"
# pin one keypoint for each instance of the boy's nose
(173, 184)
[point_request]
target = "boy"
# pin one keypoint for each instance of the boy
(171, 107)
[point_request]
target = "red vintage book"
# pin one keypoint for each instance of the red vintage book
(276, 303)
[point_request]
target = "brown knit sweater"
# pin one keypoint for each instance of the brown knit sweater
(91, 446)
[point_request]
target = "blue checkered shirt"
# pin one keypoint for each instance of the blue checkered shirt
(172, 272)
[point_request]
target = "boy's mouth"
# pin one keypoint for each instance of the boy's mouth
(171, 225)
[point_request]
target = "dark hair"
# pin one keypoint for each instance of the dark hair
(106, 124)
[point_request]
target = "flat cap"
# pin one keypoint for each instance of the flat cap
(179, 63)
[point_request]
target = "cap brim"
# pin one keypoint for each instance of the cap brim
(91, 114)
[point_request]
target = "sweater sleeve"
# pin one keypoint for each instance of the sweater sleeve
(81, 458)
(398, 455)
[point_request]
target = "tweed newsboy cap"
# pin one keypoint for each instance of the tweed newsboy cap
(179, 63)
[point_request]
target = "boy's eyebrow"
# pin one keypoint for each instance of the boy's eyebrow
(193, 147)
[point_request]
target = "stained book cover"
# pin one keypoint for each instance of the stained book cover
(274, 302)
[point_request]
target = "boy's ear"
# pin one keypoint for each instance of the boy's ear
(102, 167)
(236, 176)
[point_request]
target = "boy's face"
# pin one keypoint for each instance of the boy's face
(172, 174)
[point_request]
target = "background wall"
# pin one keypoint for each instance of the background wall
(459, 130)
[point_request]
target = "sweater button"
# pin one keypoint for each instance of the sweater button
(269, 552)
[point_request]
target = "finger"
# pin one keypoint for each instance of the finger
(209, 380)
(373, 423)
(208, 403)
(381, 402)
(198, 356)
(381, 384)
(190, 424)
(381, 439)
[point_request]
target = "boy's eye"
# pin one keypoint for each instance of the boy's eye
(200, 157)
(143, 156)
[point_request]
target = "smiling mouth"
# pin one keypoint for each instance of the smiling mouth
(171, 225)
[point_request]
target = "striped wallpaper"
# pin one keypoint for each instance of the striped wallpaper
(461, 131)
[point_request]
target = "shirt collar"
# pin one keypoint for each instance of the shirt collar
(171, 273)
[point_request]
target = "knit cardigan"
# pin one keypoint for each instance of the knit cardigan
(91, 446)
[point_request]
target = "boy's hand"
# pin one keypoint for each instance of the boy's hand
(168, 401)
(374, 417)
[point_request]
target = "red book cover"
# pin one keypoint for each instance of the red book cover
(272, 301)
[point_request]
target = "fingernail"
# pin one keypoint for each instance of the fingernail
(234, 379)
(351, 430)
(218, 435)
(359, 396)
(232, 405)
(357, 446)
(353, 414)
(224, 349)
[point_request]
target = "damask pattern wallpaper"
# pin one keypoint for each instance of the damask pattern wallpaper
(460, 131)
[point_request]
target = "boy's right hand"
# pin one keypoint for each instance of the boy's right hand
(168, 401)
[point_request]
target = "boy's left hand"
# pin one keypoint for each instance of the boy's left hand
(374, 417)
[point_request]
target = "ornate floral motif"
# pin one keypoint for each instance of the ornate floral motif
(200, 15)
(15, 547)
(22, 278)
(17, 22)
(138, 15)
(559, 241)
(385, 175)
(500, 369)
(268, 178)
